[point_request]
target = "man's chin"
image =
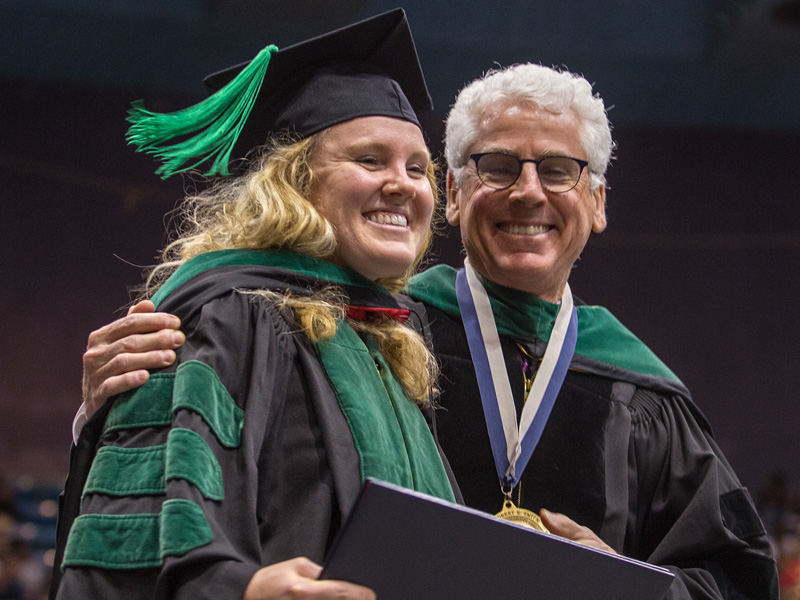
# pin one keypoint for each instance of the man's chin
(528, 274)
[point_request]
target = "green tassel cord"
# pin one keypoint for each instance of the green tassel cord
(215, 123)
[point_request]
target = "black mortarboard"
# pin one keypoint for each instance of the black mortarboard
(368, 68)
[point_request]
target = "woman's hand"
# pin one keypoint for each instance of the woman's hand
(297, 579)
(565, 527)
(118, 355)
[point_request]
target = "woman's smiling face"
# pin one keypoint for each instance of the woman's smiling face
(371, 183)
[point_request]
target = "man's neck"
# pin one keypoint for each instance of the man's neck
(550, 294)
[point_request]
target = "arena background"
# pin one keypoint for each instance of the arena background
(700, 260)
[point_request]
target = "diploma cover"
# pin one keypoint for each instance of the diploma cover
(407, 545)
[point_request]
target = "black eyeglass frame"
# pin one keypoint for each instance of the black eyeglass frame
(520, 162)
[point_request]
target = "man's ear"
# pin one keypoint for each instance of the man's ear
(599, 219)
(452, 210)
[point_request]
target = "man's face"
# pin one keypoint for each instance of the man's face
(525, 237)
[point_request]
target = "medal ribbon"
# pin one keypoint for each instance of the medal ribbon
(512, 444)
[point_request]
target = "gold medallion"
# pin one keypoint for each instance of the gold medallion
(523, 516)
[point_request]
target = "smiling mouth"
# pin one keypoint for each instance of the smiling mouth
(525, 229)
(384, 218)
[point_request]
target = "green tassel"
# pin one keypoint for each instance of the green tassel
(216, 123)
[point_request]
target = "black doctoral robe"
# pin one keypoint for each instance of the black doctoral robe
(625, 451)
(238, 456)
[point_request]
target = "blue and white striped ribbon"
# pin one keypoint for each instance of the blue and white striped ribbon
(513, 444)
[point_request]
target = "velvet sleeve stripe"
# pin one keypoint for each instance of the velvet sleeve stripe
(189, 457)
(142, 471)
(141, 540)
(195, 387)
(137, 541)
(127, 471)
(182, 527)
(148, 406)
(199, 389)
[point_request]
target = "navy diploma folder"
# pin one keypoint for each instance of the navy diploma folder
(409, 546)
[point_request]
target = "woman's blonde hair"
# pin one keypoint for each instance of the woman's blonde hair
(269, 207)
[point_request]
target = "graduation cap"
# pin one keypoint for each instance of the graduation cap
(368, 68)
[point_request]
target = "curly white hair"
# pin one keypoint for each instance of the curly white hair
(530, 84)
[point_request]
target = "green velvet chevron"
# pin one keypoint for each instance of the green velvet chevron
(194, 386)
(123, 541)
(190, 458)
(120, 471)
(198, 388)
(138, 540)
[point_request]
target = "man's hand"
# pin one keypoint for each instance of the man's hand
(565, 527)
(118, 355)
(296, 579)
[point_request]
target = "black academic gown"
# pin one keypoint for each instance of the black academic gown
(286, 483)
(629, 456)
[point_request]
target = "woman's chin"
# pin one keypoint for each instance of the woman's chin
(381, 269)
(385, 264)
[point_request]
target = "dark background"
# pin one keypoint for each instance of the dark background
(701, 257)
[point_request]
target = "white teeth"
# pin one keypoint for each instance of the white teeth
(388, 219)
(525, 229)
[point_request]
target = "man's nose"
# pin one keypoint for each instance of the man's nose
(528, 187)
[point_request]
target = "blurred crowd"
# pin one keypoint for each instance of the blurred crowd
(28, 511)
(780, 510)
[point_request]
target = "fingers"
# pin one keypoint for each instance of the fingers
(104, 388)
(145, 306)
(305, 568)
(121, 366)
(330, 590)
(132, 324)
(297, 579)
(119, 354)
(565, 527)
(133, 351)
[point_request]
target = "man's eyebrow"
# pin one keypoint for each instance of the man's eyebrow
(539, 156)
(554, 153)
(500, 149)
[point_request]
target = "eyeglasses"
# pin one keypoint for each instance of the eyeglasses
(557, 174)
